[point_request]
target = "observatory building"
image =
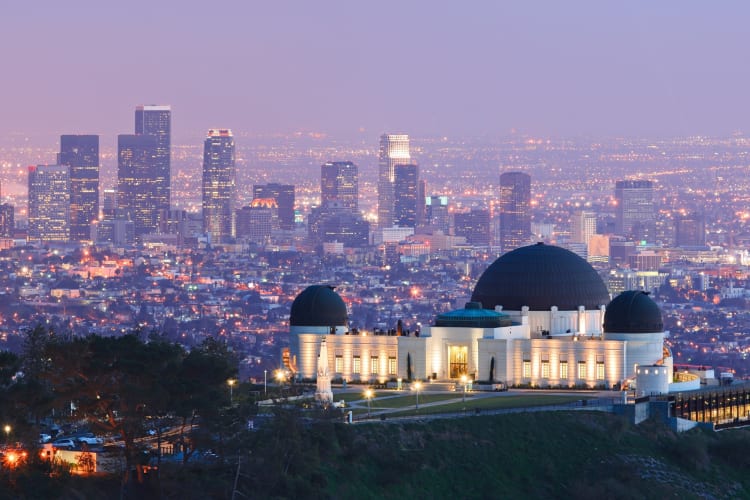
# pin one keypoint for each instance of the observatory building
(539, 316)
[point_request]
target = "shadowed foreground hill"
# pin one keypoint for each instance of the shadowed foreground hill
(535, 455)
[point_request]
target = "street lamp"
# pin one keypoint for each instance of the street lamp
(368, 395)
(265, 382)
(7, 430)
(231, 383)
(417, 387)
(463, 381)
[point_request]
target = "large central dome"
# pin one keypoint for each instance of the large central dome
(540, 276)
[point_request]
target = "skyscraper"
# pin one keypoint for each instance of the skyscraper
(635, 205)
(7, 219)
(157, 121)
(218, 184)
(339, 182)
(474, 226)
(515, 213)
(394, 150)
(81, 154)
(284, 196)
(583, 226)
(690, 230)
(138, 190)
(49, 203)
(405, 190)
(437, 213)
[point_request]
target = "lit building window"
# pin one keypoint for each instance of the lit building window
(600, 371)
(527, 369)
(563, 369)
(357, 365)
(374, 365)
(545, 368)
(582, 370)
(339, 364)
(391, 366)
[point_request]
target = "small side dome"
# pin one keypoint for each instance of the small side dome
(318, 305)
(633, 311)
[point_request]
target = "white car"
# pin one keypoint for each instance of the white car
(44, 438)
(65, 443)
(91, 440)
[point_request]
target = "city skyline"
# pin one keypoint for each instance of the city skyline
(551, 70)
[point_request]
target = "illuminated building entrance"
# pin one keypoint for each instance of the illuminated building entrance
(458, 356)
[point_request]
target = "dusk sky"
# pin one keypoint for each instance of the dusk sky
(356, 69)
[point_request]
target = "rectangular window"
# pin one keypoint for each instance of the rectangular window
(374, 365)
(357, 365)
(391, 366)
(582, 374)
(339, 367)
(563, 369)
(527, 369)
(545, 368)
(600, 370)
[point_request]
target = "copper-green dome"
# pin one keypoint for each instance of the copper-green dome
(540, 276)
(318, 305)
(633, 311)
(473, 316)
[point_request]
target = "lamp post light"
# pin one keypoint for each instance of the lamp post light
(463, 381)
(265, 382)
(7, 430)
(368, 395)
(231, 383)
(417, 387)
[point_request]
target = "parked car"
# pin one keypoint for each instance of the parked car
(91, 440)
(67, 443)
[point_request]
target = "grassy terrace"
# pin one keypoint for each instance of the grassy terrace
(404, 403)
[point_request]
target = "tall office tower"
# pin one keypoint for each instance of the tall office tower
(138, 190)
(157, 121)
(284, 196)
(515, 210)
(109, 204)
(690, 230)
(437, 213)
(405, 190)
(81, 154)
(635, 205)
(474, 226)
(257, 222)
(218, 184)
(7, 219)
(49, 203)
(421, 202)
(394, 150)
(339, 181)
(583, 226)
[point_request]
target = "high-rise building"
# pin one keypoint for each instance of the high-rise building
(284, 196)
(339, 181)
(690, 230)
(157, 121)
(336, 223)
(635, 205)
(138, 190)
(474, 226)
(515, 210)
(7, 219)
(49, 203)
(257, 222)
(218, 184)
(394, 150)
(437, 213)
(81, 154)
(109, 204)
(406, 190)
(583, 226)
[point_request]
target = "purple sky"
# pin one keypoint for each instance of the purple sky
(424, 67)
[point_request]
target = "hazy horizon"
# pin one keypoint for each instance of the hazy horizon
(354, 70)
